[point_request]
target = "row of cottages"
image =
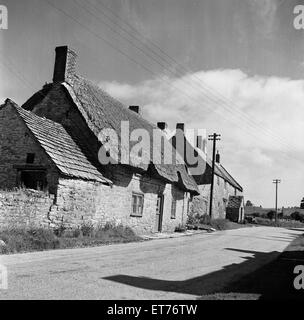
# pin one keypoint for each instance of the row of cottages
(228, 201)
(53, 142)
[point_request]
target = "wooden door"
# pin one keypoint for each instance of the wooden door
(159, 213)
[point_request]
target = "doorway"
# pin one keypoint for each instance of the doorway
(159, 213)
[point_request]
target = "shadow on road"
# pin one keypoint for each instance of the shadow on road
(272, 281)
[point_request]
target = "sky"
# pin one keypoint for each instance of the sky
(235, 67)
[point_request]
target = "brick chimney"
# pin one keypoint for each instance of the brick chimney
(201, 144)
(217, 157)
(162, 125)
(180, 126)
(65, 65)
(135, 109)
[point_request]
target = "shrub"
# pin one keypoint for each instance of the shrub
(21, 239)
(59, 230)
(36, 239)
(87, 229)
(271, 214)
(280, 223)
(255, 214)
(205, 219)
(220, 224)
(193, 218)
(297, 216)
(180, 228)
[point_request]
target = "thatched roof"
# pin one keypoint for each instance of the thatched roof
(101, 111)
(227, 176)
(59, 146)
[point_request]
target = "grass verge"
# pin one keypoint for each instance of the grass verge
(204, 222)
(280, 223)
(15, 240)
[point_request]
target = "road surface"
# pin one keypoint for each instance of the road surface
(178, 268)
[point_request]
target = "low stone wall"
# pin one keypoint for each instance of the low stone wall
(80, 202)
(21, 208)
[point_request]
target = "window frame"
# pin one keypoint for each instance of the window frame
(137, 213)
(30, 158)
(41, 183)
(173, 212)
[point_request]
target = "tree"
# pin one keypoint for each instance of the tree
(271, 214)
(302, 204)
(296, 216)
(249, 203)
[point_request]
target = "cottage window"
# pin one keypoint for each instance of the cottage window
(30, 158)
(173, 209)
(35, 179)
(218, 180)
(225, 184)
(137, 205)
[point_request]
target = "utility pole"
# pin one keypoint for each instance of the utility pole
(213, 137)
(276, 181)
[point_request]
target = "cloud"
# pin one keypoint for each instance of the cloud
(261, 120)
(254, 108)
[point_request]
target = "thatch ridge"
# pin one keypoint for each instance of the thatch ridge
(101, 111)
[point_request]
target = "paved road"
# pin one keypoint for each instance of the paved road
(180, 268)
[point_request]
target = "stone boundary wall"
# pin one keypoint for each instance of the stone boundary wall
(24, 208)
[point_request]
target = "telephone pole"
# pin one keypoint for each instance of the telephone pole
(213, 137)
(276, 181)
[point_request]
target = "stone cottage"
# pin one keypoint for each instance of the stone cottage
(53, 143)
(224, 184)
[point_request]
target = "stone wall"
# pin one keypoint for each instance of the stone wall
(125, 183)
(80, 202)
(22, 207)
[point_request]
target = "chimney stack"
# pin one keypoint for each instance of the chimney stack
(135, 109)
(201, 144)
(65, 65)
(180, 126)
(162, 125)
(217, 157)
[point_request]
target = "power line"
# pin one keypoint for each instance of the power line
(147, 69)
(216, 94)
(112, 45)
